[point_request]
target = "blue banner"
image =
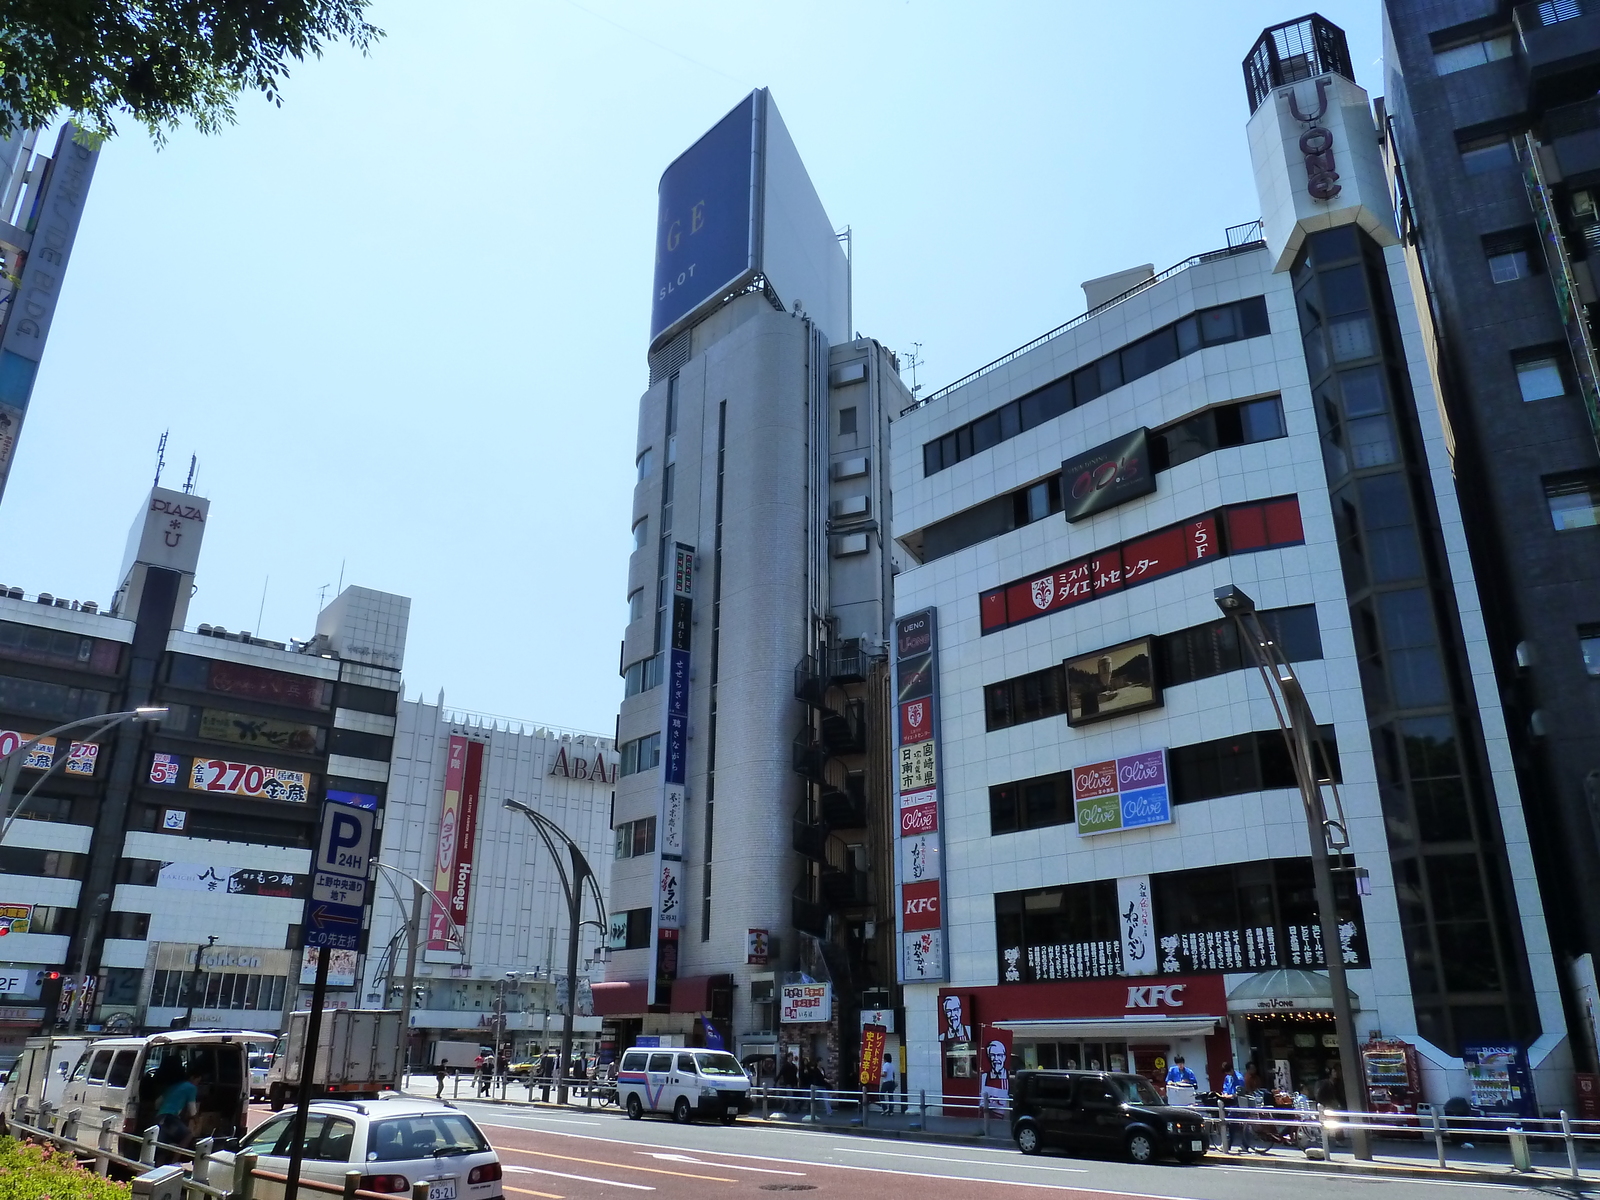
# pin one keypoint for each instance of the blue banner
(703, 224)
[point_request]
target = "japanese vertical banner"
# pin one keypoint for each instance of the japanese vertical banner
(873, 1038)
(919, 887)
(440, 935)
(670, 882)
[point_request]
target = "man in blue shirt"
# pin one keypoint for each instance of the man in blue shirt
(1178, 1073)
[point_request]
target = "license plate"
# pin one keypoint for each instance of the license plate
(733, 1110)
(1197, 1145)
(442, 1189)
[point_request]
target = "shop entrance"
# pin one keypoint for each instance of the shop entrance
(1294, 1051)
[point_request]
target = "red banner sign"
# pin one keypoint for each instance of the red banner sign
(873, 1039)
(919, 904)
(440, 935)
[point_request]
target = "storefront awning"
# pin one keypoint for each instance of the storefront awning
(622, 998)
(1123, 1029)
(693, 995)
(1287, 988)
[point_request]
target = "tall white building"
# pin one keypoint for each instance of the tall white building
(496, 923)
(1104, 858)
(755, 652)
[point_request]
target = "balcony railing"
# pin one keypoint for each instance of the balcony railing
(809, 756)
(847, 808)
(845, 732)
(845, 889)
(810, 838)
(807, 915)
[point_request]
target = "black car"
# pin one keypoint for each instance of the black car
(1101, 1112)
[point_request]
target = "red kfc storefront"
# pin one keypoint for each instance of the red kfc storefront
(1138, 1024)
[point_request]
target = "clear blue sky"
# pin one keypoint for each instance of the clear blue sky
(402, 319)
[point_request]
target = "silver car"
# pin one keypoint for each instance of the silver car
(394, 1143)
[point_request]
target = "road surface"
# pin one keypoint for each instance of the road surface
(582, 1155)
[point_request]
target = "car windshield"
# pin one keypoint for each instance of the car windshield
(423, 1136)
(1135, 1089)
(719, 1064)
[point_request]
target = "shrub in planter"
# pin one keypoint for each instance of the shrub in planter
(34, 1172)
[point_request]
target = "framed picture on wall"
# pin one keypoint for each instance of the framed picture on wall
(1112, 682)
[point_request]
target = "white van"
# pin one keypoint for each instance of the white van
(124, 1077)
(40, 1073)
(685, 1083)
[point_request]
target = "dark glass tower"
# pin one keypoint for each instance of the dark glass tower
(1493, 131)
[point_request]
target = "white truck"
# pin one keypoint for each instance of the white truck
(458, 1056)
(355, 1056)
(40, 1073)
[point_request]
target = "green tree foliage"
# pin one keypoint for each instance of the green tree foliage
(161, 62)
(30, 1172)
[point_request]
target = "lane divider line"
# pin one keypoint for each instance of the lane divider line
(638, 1187)
(531, 1192)
(975, 1162)
(600, 1162)
(684, 1158)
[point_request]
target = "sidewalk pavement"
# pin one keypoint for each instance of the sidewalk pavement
(1480, 1160)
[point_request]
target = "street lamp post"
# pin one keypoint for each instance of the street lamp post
(1311, 771)
(572, 885)
(14, 760)
(420, 892)
(194, 983)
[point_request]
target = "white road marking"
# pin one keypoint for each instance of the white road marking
(684, 1158)
(638, 1187)
(977, 1162)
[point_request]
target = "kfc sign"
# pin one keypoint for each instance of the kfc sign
(1156, 995)
(919, 905)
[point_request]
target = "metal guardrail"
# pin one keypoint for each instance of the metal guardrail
(1238, 242)
(61, 1130)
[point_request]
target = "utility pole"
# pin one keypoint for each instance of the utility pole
(1299, 733)
(407, 1000)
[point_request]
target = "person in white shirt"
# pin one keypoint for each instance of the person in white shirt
(889, 1081)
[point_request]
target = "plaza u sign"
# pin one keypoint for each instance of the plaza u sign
(1122, 793)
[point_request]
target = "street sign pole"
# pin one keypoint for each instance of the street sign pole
(308, 1067)
(333, 920)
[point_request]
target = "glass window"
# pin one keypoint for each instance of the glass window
(1110, 371)
(1344, 290)
(264, 1141)
(1391, 540)
(635, 604)
(1507, 265)
(686, 1063)
(1589, 643)
(1371, 442)
(1010, 420)
(847, 421)
(99, 1067)
(1219, 325)
(1483, 155)
(1574, 500)
(429, 1136)
(1188, 331)
(932, 461)
(720, 1064)
(1472, 54)
(1262, 420)
(641, 532)
(1352, 338)
(1364, 393)
(646, 464)
(1038, 501)
(985, 432)
(1541, 378)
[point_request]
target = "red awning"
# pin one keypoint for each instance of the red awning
(623, 998)
(693, 995)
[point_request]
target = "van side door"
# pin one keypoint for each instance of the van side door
(1052, 1101)
(658, 1076)
(1097, 1116)
(685, 1079)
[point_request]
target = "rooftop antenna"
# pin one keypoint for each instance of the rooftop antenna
(914, 360)
(161, 456)
(194, 466)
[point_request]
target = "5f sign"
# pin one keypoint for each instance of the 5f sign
(345, 846)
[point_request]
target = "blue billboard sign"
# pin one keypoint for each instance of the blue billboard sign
(706, 219)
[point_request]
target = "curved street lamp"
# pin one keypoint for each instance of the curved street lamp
(420, 891)
(572, 885)
(1326, 833)
(105, 722)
